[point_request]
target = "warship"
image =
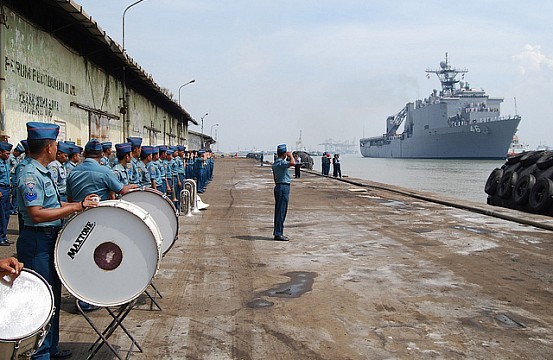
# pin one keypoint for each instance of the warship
(458, 122)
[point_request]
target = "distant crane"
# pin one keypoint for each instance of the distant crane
(340, 146)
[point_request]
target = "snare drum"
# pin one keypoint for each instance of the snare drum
(162, 210)
(27, 305)
(108, 255)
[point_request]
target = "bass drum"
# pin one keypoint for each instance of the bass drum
(27, 307)
(108, 255)
(161, 209)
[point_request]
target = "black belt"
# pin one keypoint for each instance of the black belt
(2, 185)
(282, 183)
(43, 229)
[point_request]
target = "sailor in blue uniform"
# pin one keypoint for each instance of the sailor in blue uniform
(199, 171)
(181, 166)
(15, 157)
(24, 161)
(173, 166)
(106, 148)
(91, 177)
(168, 172)
(281, 177)
(162, 169)
(58, 171)
(5, 190)
(136, 143)
(153, 168)
(42, 213)
(74, 157)
(121, 170)
(144, 177)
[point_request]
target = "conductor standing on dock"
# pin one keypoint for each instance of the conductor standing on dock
(281, 176)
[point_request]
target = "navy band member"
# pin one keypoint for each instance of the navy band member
(5, 191)
(91, 177)
(74, 157)
(42, 213)
(106, 148)
(122, 168)
(136, 143)
(162, 168)
(58, 171)
(155, 171)
(144, 175)
(282, 189)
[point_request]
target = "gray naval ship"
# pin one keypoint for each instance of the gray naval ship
(458, 122)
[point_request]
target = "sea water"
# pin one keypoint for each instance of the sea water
(462, 179)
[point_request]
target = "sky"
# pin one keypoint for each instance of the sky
(333, 69)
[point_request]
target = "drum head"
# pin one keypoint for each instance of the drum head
(108, 255)
(26, 305)
(161, 209)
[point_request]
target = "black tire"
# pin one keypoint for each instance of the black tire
(546, 161)
(522, 189)
(515, 158)
(530, 158)
(493, 181)
(541, 196)
(506, 184)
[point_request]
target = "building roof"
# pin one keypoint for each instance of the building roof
(67, 21)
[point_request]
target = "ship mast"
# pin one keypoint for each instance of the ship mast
(447, 76)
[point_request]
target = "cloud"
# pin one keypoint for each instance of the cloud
(531, 60)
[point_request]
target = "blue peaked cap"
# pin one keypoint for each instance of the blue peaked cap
(65, 148)
(6, 146)
(135, 141)
(106, 145)
(19, 148)
(147, 150)
(93, 145)
(281, 149)
(123, 148)
(42, 131)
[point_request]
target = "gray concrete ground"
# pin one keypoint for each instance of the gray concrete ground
(368, 274)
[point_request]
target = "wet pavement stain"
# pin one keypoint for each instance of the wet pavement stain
(300, 283)
(472, 229)
(508, 322)
(259, 303)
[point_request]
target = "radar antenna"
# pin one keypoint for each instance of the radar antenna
(447, 75)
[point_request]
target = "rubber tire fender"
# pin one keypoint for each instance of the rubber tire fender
(506, 184)
(546, 161)
(530, 158)
(541, 196)
(493, 181)
(515, 158)
(522, 189)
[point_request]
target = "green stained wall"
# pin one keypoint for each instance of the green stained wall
(44, 77)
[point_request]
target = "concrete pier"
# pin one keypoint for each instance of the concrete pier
(367, 274)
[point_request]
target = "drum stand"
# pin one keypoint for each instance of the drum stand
(103, 336)
(153, 298)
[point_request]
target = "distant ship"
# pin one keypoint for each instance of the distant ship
(458, 122)
(517, 147)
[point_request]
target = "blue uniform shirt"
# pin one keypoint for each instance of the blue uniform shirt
(35, 187)
(59, 175)
(69, 166)
(155, 172)
(104, 161)
(280, 171)
(133, 175)
(4, 173)
(91, 178)
(121, 173)
(144, 178)
(180, 165)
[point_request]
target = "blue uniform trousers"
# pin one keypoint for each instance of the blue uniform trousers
(282, 195)
(163, 187)
(5, 210)
(36, 250)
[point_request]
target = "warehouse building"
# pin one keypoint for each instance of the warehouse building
(60, 67)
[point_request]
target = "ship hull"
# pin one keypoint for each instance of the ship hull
(489, 140)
